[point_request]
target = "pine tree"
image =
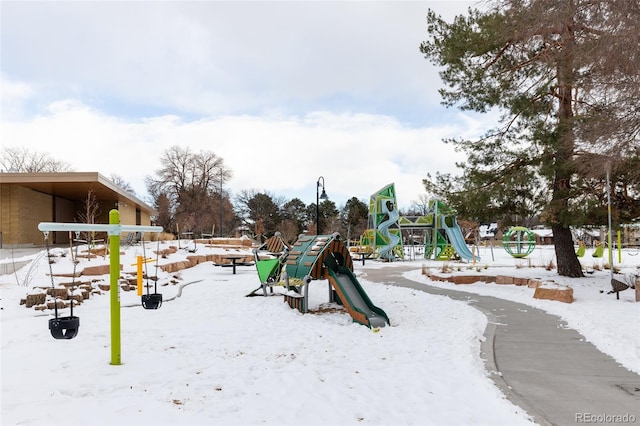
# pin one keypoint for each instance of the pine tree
(564, 75)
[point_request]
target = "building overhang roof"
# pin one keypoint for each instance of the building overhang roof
(76, 186)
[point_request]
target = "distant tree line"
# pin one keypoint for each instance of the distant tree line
(188, 193)
(24, 160)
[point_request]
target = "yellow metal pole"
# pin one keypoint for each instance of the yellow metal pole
(619, 247)
(114, 274)
(139, 275)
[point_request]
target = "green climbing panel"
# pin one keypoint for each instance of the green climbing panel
(446, 253)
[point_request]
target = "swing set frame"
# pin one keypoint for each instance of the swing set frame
(113, 229)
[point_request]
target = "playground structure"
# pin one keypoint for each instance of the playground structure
(443, 238)
(270, 269)
(599, 248)
(383, 236)
(318, 257)
(454, 236)
(519, 241)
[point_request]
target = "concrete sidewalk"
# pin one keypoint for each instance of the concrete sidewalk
(13, 258)
(541, 365)
(19, 251)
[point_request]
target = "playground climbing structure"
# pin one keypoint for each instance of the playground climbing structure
(443, 238)
(275, 251)
(383, 236)
(519, 242)
(323, 257)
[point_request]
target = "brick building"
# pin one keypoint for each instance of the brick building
(26, 199)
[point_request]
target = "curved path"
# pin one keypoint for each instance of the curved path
(541, 365)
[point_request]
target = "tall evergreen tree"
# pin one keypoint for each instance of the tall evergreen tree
(564, 74)
(293, 214)
(260, 212)
(354, 216)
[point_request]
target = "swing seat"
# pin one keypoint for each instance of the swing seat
(152, 301)
(269, 274)
(64, 327)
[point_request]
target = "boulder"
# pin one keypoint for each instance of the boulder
(97, 270)
(58, 293)
(52, 305)
(554, 292)
(35, 299)
(434, 277)
(197, 259)
(534, 283)
(78, 298)
(504, 279)
(520, 281)
(467, 279)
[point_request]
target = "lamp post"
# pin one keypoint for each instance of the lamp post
(220, 227)
(318, 197)
(609, 220)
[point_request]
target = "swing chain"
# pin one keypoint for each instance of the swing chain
(146, 271)
(151, 301)
(75, 262)
(155, 284)
(144, 256)
(75, 265)
(55, 300)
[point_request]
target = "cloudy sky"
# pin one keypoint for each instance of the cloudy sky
(284, 92)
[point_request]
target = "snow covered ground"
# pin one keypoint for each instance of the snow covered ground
(612, 325)
(211, 356)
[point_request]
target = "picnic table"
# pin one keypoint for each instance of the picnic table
(233, 258)
(361, 256)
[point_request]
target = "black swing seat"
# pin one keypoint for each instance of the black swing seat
(152, 301)
(64, 327)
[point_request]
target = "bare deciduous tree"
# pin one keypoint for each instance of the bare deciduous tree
(89, 213)
(193, 184)
(119, 181)
(23, 160)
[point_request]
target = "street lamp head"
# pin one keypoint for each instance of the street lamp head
(323, 196)
(319, 184)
